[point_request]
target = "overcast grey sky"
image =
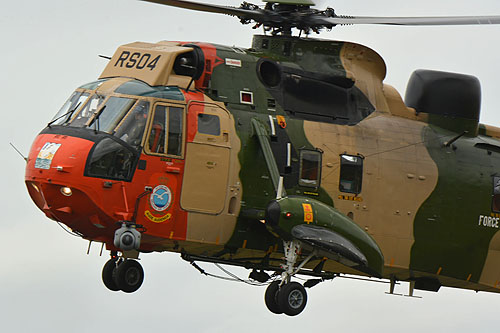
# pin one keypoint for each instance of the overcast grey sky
(49, 284)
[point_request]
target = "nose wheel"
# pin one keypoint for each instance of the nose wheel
(122, 274)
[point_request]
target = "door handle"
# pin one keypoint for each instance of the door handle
(171, 169)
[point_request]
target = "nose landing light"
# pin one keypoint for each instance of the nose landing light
(66, 191)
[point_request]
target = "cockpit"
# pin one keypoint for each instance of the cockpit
(115, 113)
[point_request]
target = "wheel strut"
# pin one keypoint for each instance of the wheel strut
(285, 296)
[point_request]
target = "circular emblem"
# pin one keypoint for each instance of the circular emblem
(161, 198)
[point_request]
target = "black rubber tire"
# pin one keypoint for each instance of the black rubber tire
(271, 297)
(107, 275)
(129, 276)
(292, 298)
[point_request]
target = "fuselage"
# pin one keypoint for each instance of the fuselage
(177, 152)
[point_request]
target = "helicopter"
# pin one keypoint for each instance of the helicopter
(290, 157)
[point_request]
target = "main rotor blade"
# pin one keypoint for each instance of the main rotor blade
(228, 10)
(414, 21)
(293, 2)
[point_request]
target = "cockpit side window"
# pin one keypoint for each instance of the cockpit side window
(174, 131)
(157, 134)
(75, 101)
(131, 129)
(88, 110)
(166, 134)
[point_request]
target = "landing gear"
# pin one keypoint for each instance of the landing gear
(129, 276)
(292, 298)
(271, 297)
(285, 296)
(121, 274)
(107, 274)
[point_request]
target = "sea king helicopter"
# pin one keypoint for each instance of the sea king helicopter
(289, 158)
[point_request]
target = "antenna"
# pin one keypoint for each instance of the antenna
(24, 157)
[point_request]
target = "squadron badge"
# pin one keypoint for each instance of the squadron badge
(161, 198)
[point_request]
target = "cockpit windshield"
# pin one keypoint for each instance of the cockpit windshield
(122, 112)
(116, 116)
(87, 111)
(76, 100)
(120, 116)
(111, 113)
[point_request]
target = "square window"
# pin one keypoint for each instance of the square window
(208, 124)
(351, 173)
(310, 168)
(246, 97)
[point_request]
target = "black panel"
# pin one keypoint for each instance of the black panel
(77, 132)
(141, 165)
(190, 64)
(330, 241)
(487, 146)
(315, 96)
(109, 159)
(442, 93)
(273, 212)
(428, 284)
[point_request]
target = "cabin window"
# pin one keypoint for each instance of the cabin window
(495, 205)
(310, 168)
(351, 173)
(208, 124)
(166, 132)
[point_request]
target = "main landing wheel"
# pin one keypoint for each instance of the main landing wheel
(271, 297)
(128, 276)
(107, 275)
(290, 299)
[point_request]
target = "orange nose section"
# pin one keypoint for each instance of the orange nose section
(55, 181)
(57, 158)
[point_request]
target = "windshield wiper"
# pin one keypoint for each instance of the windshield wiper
(96, 119)
(70, 112)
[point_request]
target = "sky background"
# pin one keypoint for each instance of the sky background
(47, 281)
